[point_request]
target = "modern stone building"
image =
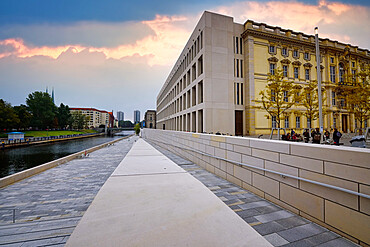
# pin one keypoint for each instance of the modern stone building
(97, 117)
(150, 119)
(215, 83)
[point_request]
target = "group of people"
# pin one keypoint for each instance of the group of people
(316, 136)
(292, 136)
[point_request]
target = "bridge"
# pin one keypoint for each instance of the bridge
(199, 190)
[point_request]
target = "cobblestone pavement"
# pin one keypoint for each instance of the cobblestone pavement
(279, 226)
(49, 205)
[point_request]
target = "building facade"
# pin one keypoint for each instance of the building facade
(120, 116)
(150, 119)
(96, 117)
(136, 116)
(214, 85)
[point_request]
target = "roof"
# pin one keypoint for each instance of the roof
(87, 109)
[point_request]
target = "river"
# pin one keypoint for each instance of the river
(22, 158)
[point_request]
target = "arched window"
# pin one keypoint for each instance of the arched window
(341, 72)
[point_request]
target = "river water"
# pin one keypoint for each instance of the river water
(22, 158)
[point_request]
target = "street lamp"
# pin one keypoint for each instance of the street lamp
(318, 69)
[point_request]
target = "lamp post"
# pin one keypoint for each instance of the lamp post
(318, 69)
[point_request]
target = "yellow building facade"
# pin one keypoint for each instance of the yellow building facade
(214, 85)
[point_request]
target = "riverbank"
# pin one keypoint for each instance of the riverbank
(5, 181)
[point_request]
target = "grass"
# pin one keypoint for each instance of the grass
(42, 133)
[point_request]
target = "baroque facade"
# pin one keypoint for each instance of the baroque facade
(215, 83)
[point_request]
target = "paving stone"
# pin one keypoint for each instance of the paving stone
(301, 232)
(274, 216)
(254, 205)
(268, 228)
(301, 243)
(292, 221)
(339, 242)
(275, 239)
(322, 238)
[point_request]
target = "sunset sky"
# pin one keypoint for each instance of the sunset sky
(116, 55)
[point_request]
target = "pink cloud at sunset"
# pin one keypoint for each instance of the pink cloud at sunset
(166, 35)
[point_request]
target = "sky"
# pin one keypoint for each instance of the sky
(116, 55)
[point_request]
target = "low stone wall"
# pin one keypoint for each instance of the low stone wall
(345, 167)
(5, 181)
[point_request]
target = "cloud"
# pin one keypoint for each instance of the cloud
(343, 22)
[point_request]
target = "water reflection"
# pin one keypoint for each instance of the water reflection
(19, 159)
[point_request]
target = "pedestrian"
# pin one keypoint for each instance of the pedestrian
(316, 137)
(306, 135)
(326, 135)
(336, 136)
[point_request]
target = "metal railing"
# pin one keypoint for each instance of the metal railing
(272, 171)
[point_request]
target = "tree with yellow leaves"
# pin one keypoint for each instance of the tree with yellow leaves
(278, 97)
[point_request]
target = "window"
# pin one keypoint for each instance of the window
(341, 72)
(286, 122)
(286, 99)
(284, 51)
(272, 68)
(332, 74)
(335, 122)
(333, 101)
(273, 122)
(285, 70)
(237, 93)
(241, 68)
(308, 123)
(295, 54)
(331, 60)
(296, 72)
(353, 64)
(272, 95)
(353, 75)
(298, 122)
(356, 124)
(241, 46)
(236, 45)
(365, 124)
(307, 74)
(237, 67)
(306, 56)
(272, 49)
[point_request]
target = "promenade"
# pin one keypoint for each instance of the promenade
(153, 198)
(50, 204)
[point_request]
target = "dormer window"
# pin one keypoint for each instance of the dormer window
(272, 49)
(284, 51)
(295, 54)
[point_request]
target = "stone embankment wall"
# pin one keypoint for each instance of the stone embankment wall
(349, 168)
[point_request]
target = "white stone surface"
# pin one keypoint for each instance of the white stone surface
(159, 209)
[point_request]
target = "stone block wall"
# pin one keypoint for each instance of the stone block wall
(345, 167)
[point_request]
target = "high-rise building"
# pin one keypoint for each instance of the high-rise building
(214, 85)
(136, 116)
(120, 116)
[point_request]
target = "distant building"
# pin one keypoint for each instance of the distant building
(111, 119)
(97, 117)
(120, 116)
(15, 136)
(150, 119)
(136, 116)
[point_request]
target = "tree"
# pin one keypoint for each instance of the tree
(279, 96)
(355, 94)
(309, 99)
(64, 116)
(127, 123)
(24, 116)
(79, 120)
(8, 117)
(137, 128)
(43, 110)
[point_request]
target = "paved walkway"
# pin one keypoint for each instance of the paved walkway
(49, 205)
(151, 201)
(278, 226)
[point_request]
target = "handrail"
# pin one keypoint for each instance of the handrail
(275, 172)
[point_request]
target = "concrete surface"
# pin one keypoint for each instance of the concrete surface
(157, 208)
